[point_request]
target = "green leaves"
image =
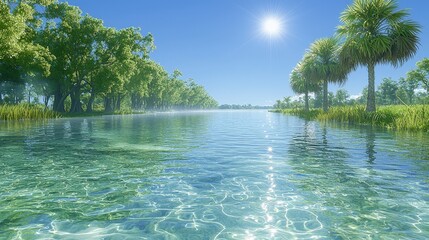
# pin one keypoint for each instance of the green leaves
(420, 74)
(17, 40)
(328, 65)
(75, 57)
(321, 64)
(300, 77)
(374, 31)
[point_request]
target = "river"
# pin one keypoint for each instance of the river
(211, 175)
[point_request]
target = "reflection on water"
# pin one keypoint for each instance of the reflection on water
(370, 144)
(211, 175)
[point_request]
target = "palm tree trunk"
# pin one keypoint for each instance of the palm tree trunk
(325, 95)
(370, 103)
(307, 108)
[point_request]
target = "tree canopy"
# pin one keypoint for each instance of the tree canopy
(375, 31)
(302, 78)
(327, 67)
(56, 51)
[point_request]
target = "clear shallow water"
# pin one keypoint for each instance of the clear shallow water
(211, 175)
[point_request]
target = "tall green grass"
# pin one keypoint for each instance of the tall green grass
(415, 117)
(26, 111)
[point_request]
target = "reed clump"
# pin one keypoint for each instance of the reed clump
(26, 111)
(399, 117)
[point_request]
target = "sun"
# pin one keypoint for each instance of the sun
(271, 26)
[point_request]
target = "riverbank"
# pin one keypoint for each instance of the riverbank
(39, 112)
(26, 111)
(398, 117)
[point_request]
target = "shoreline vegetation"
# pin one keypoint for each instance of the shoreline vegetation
(56, 54)
(372, 32)
(25, 111)
(395, 117)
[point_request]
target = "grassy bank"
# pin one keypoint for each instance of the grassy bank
(26, 111)
(37, 112)
(99, 113)
(397, 117)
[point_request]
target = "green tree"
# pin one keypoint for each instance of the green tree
(408, 86)
(374, 32)
(327, 66)
(120, 57)
(156, 86)
(138, 84)
(364, 96)
(387, 91)
(331, 98)
(318, 99)
(20, 56)
(57, 51)
(287, 102)
(70, 37)
(420, 74)
(173, 88)
(301, 78)
(341, 97)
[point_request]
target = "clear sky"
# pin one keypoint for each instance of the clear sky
(219, 43)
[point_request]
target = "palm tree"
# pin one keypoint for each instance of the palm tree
(327, 65)
(301, 79)
(286, 101)
(374, 32)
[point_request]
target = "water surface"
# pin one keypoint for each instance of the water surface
(211, 175)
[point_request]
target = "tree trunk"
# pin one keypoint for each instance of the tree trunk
(118, 103)
(325, 95)
(108, 104)
(46, 100)
(133, 101)
(89, 106)
(307, 108)
(76, 105)
(370, 103)
(59, 99)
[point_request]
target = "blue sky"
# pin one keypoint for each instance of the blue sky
(219, 43)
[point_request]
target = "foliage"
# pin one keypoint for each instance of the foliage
(374, 32)
(302, 78)
(20, 55)
(328, 67)
(341, 98)
(25, 111)
(420, 75)
(406, 91)
(413, 118)
(53, 50)
(387, 92)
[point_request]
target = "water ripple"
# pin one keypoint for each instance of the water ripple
(211, 175)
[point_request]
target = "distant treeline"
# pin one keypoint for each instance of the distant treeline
(245, 106)
(51, 52)
(412, 90)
